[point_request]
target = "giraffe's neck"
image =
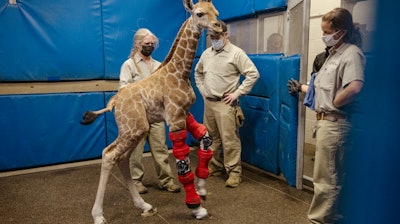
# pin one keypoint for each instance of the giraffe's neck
(183, 50)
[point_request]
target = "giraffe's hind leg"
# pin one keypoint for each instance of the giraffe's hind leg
(147, 209)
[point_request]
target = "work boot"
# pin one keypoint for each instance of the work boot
(173, 188)
(233, 181)
(141, 188)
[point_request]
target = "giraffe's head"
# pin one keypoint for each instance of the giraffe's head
(204, 15)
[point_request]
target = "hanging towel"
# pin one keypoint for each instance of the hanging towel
(309, 99)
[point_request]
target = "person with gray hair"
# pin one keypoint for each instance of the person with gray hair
(139, 65)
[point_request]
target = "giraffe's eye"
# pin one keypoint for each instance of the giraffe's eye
(200, 14)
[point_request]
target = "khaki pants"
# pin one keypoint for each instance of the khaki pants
(220, 121)
(331, 145)
(156, 138)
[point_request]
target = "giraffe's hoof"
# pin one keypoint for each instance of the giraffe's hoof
(100, 220)
(201, 213)
(149, 213)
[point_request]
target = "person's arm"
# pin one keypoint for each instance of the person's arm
(125, 75)
(199, 76)
(247, 68)
(348, 94)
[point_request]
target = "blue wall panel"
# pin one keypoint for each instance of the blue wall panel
(234, 8)
(288, 120)
(39, 130)
(268, 66)
(246, 8)
(259, 135)
(50, 40)
(122, 18)
(262, 5)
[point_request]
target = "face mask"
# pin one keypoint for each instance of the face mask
(329, 41)
(147, 50)
(217, 44)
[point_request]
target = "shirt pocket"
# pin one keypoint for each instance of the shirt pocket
(328, 76)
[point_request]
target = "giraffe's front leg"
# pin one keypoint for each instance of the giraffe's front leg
(204, 154)
(181, 152)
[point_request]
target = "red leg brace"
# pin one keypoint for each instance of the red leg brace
(181, 151)
(196, 129)
(192, 200)
(202, 167)
(179, 147)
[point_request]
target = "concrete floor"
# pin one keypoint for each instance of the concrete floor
(65, 194)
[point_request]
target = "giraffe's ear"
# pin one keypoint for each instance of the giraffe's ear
(188, 5)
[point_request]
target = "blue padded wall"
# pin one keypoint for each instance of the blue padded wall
(269, 135)
(246, 8)
(259, 135)
(79, 40)
(122, 18)
(39, 130)
(288, 120)
(45, 40)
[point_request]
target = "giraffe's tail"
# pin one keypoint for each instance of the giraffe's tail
(90, 116)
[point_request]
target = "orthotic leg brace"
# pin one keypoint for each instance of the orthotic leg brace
(200, 133)
(204, 154)
(181, 151)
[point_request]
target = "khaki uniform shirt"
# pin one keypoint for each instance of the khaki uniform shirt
(218, 73)
(343, 65)
(131, 72)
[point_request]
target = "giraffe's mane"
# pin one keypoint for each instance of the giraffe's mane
(174, 46)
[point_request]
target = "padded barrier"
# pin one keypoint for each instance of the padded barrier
(288, 119)
(269, 135)
(51, 40)
(39, 130)
(246, 8)
(119, 28)
(259, 135)
(79, 40)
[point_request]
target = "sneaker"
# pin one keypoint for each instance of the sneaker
(233, 182)
(172, 188)
(141, 188)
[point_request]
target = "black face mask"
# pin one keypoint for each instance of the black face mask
(147, 50)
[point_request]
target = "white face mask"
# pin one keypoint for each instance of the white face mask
(329, 40)
(217, 44)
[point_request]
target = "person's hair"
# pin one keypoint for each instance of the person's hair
(224, 27)
(270, 43)
(341, 19)
(138, 39)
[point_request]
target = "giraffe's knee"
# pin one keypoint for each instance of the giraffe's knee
(182, 166)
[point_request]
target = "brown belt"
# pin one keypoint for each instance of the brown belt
(330, 116)
(214, 99)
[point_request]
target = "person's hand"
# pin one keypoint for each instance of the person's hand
(294, 86)
(229, 98)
